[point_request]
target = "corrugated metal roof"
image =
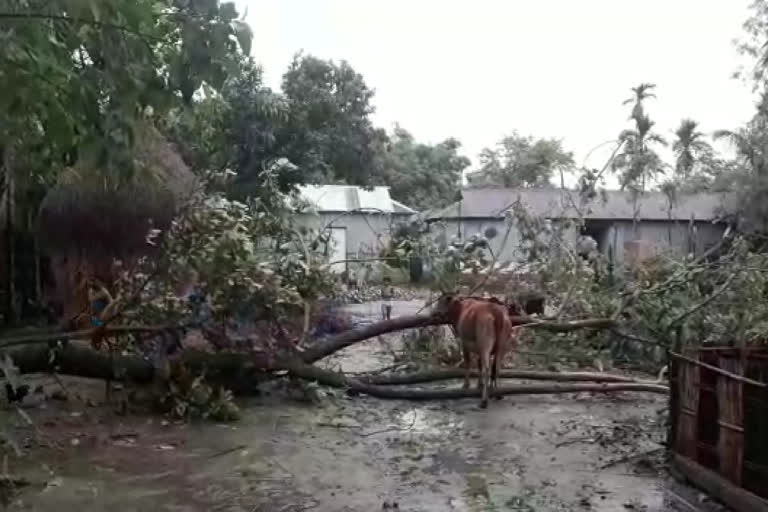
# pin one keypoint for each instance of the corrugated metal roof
(346, 198)
(401, 208)
(553, 202)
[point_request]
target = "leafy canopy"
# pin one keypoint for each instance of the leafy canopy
(520, 161)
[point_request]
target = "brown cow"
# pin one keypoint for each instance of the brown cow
(483, 327)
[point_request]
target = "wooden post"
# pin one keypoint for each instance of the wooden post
(687, 424)
(730, 398)
(673, 374)
(10, 248)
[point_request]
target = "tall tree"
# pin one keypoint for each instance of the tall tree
(81, 77)
(329, 134)
(422, 175)
(520, 161)
(689, 148)
(638, 162)
(79, 72)
(238, 130)
(753, 45)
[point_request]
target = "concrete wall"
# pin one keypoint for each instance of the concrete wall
(611, 240)
(674, 238)
(367, 234)
(504, 251)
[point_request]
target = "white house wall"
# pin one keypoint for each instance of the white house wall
(619, 232)
(505, 251)
(366, 235)
(671, 237)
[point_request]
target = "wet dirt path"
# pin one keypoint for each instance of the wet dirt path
(357, 454)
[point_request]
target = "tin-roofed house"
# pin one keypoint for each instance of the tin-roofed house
(360, 221)
(687, 224)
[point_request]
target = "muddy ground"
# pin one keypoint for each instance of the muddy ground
(541, 453)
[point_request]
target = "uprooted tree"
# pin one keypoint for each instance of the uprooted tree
(260, 274)
(119, 81)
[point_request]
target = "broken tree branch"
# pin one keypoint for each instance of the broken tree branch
(324, 348)
(719, 291)
(237, 371)
(321, 348)
(337, 380)
(49, 336)
(457, 373)
(573, 325)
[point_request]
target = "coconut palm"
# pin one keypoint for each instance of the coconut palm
(751, 144)
(640, 93)
(638, 161)
(689, 147)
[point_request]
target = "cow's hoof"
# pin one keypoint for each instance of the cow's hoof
(483, 404)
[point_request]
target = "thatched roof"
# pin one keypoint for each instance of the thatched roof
(109, 216)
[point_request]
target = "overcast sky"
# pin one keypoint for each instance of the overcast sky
(552, 68)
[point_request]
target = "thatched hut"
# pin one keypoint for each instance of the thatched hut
(90, 219)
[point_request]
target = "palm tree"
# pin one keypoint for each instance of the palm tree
(751, 144)
(640, 93)
(689, 147)
(638, 161)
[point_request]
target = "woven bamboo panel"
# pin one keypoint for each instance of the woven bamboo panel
(731, 420)
(687, 426)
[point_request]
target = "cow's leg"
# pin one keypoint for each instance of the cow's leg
(485, 376)
(480, 371)
(495, 375)
(467, 354)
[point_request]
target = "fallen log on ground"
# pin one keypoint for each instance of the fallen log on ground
(242, 374)
(239, 372)
(358, 386)
(320, 348)
(458, 373)
(48, 336)
(572, 325)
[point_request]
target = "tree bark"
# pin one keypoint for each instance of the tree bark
(236, 371)
(323, 348)
(357, 386)
(241, 371)
(11, 315)
(457, 373)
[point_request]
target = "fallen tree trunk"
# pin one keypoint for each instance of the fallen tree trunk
(51, 336)
(573, 325)
(337, 380)
(323, 348)
(242, 374)
(236, 371)
(457, 373)
(241, 371)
